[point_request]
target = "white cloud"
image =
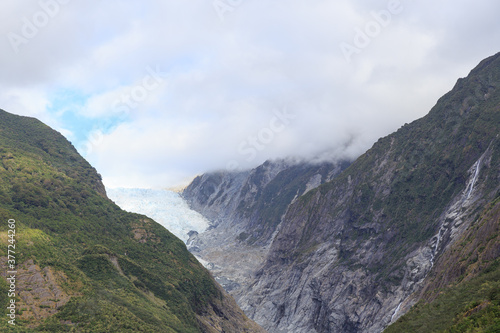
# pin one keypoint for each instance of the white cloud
(224, 79)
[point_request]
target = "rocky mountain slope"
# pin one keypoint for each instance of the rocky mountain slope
(355, 253)
(245, 209)
(462, 293)
(83, 264)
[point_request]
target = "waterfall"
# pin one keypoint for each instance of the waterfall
(475, 178)
(397, 310)
(455, 208)
(437, 245)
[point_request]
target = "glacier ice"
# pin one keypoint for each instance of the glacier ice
(166, 207)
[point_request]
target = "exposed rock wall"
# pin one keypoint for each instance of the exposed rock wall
(245, 209)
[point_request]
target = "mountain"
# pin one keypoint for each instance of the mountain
(414, 220)
(245, 210)
(256, 198)
(85, 265)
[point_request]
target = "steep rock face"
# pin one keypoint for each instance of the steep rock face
(256, 199)
(245, 209)
(348, 254)
(462, 293)
(477, 249)
(82, 263)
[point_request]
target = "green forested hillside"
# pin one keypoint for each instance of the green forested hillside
(112, 271)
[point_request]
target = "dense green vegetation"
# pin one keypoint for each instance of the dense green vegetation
(65, 221)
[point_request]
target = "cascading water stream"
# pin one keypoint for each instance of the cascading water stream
(396, 311)
(445, 226)
(436, 247)
(475, 178)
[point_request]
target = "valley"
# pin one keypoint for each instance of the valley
(404, 238)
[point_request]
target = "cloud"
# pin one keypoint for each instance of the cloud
(212, 104)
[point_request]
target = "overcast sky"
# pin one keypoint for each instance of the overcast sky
(154, 92)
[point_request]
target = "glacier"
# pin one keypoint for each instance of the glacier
(166, 207)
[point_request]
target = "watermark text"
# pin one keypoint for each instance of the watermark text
(253, 144)
(372, 29)
(223, 7)
(31, 26)
(11, 271)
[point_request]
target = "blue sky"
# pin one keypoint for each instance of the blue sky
(153, 93)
